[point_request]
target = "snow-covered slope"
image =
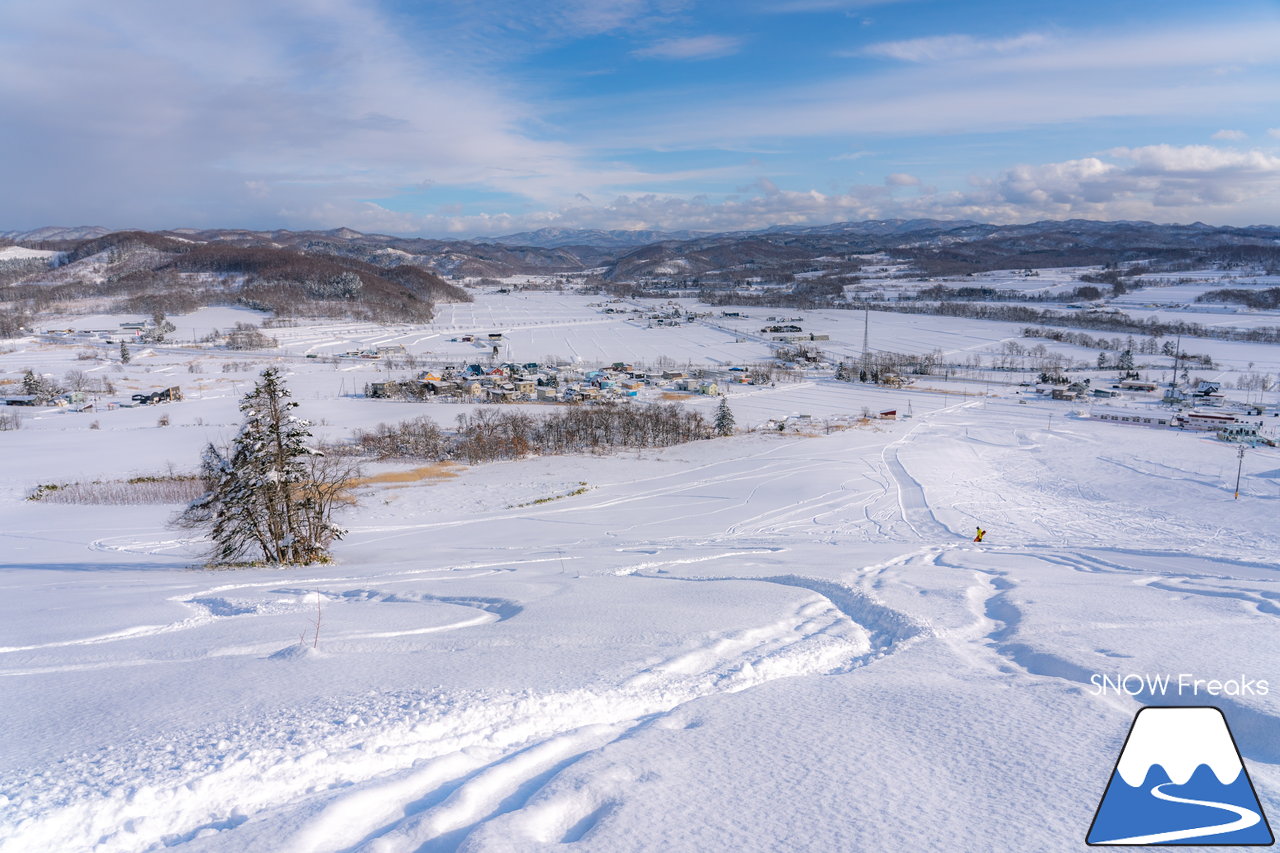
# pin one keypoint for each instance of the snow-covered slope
(774, 641)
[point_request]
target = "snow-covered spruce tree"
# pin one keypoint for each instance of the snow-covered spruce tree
(724, 418)
(124, 353)
(270, 497)
(32, 385)
(37, 386)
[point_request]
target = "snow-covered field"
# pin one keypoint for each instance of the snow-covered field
(773, 641)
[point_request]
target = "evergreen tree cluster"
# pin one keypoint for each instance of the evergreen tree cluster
(344, 285)
(42, 388)
(270, 496)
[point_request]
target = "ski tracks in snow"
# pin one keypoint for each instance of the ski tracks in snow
(422, 772)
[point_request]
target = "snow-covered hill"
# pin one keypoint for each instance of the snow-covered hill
(776, 640)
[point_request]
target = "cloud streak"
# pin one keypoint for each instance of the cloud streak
(951, 47)
(694, 47)
(141, 116)
(1170, 74)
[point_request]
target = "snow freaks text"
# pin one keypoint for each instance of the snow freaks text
(1182, 684)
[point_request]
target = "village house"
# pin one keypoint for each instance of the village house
(442, 386)
(1241, 431)
(1210, 421)
(1124, 417)
(499, 394)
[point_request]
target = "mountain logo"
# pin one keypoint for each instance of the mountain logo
(1180, 780)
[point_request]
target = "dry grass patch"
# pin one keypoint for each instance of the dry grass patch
(401, 479)
(164, 489)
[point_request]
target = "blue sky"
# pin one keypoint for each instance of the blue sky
(474, 117)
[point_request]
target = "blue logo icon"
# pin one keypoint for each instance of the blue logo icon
(1180, 780)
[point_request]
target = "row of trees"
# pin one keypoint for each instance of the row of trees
(242, 336)
(495, 433)
(1083, 320)
(882, 364)
(1266, 299)
(44, 388)
(1130, 345)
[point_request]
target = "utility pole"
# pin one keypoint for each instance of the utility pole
(866, 337)
(1239, 468)
(1177, 356)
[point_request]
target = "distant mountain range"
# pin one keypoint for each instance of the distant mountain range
(554, 238)
(55, 232)
(938, 246)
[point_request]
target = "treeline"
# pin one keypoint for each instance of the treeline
(492, 434)
(44, 388)
(804, 299)
(1145, 345)
(1000, 254)
(1082, 320)
(885, 367)
(13, 322)
(16, 269)
(980, 256)
(993, 294)
(1259, 300)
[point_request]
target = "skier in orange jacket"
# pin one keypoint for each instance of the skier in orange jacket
(981, 533)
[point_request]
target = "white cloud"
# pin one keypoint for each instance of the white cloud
(854, 155)
(599, 16)
(949, 47)
(1231, 135)
(1274, 132)
(1198, 161)
(694, 47)
(1162, 183)
(901, 179)
(258, 112)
